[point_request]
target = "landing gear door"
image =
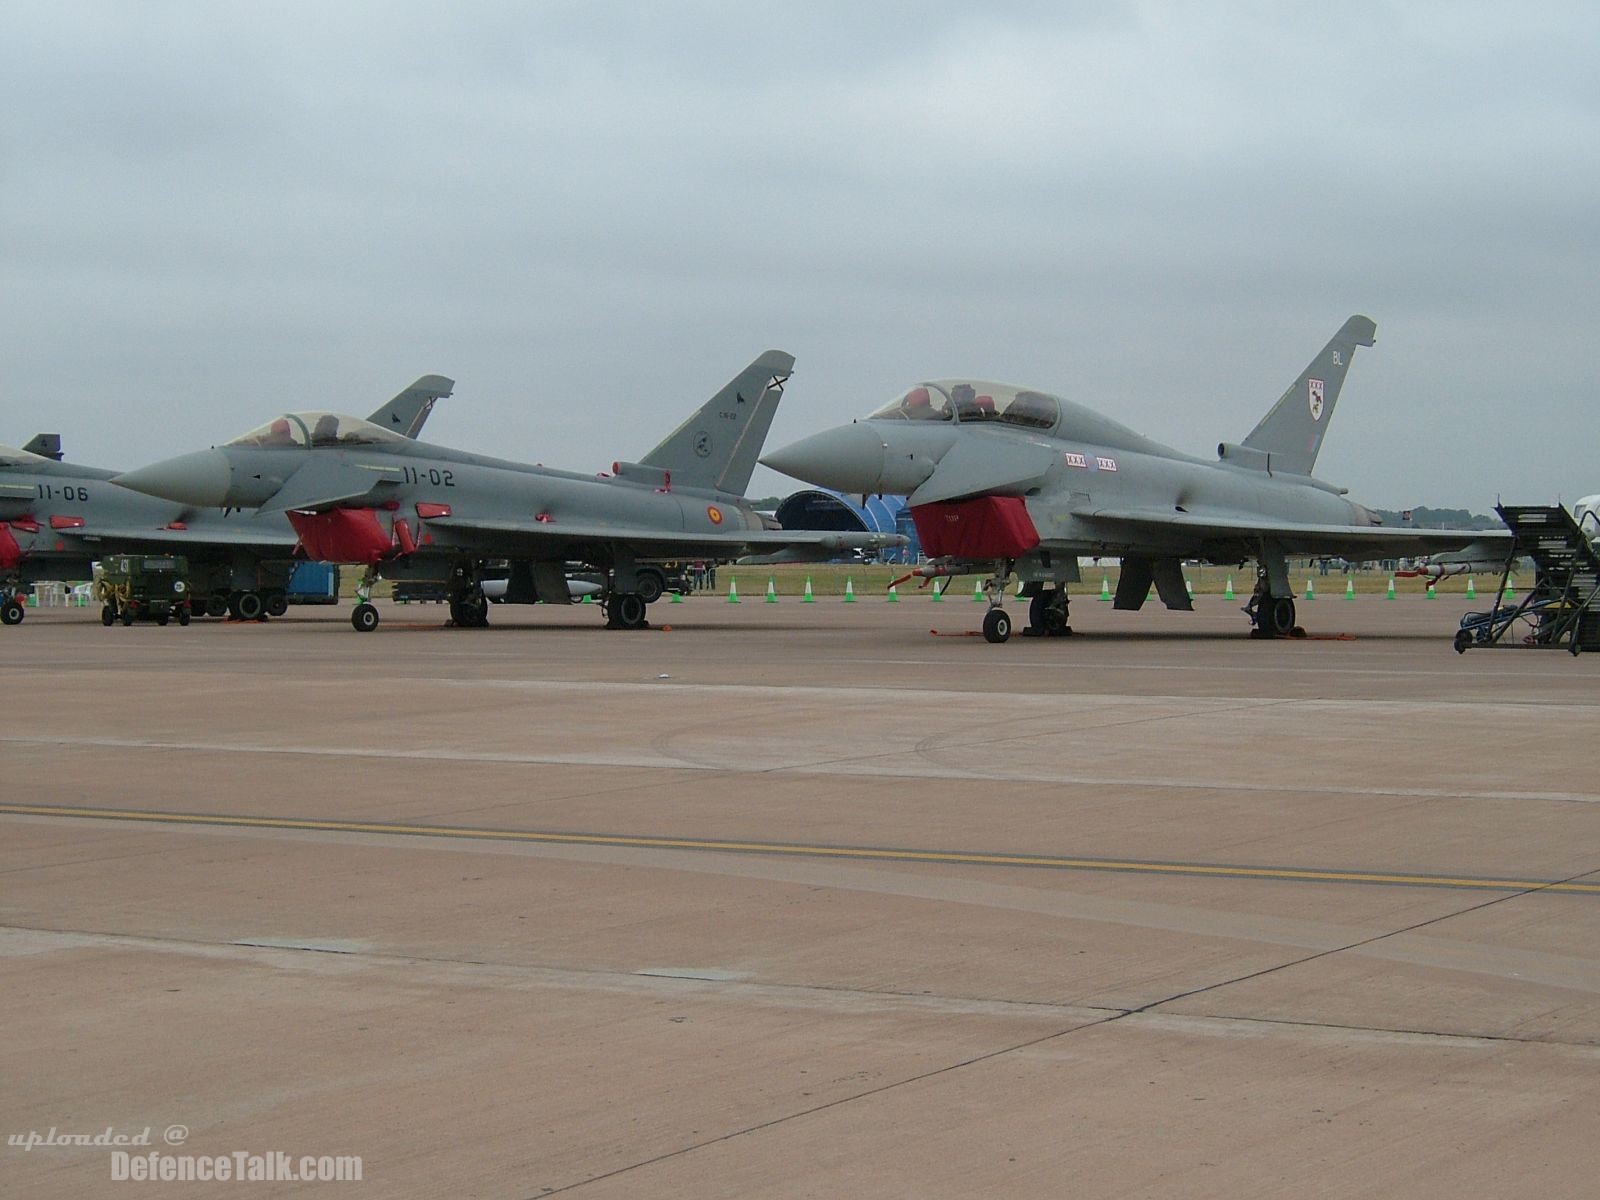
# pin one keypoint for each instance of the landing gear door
(550, 583)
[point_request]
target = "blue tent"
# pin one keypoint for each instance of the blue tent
(819, 508)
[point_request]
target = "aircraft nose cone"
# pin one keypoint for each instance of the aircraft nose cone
(848, 458)
(202, 479)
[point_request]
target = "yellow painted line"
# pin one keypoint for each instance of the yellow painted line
(869, 853)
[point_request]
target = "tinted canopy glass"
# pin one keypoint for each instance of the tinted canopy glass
(317, 429)
(973, 402)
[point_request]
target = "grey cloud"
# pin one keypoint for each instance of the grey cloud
(591, 216)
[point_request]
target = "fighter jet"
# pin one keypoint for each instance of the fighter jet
(56, 518)
(356, 493)
(1017, 482)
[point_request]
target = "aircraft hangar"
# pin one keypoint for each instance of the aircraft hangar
(825, 509)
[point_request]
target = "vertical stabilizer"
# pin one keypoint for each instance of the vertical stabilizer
(46, 445)
(1292, 432)
(716, 449)
(408, 412)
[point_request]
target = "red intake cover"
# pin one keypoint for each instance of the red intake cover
(10, 552)
(342, 535)
(988, 527)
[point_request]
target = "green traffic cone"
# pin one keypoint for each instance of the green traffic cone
(733, 590)
(1432, 595)
(587, 599)
(1311, 592)
(1189, 587)
(677, 598)
(1228, 594)
(1105, 587)
(1350, 587)
(977, 591)
(1389, 595)
(772, 591)
(938, 592)
(894, 594)
(849, 590)
(1510, 588)
(808, 598)
(1472, 592)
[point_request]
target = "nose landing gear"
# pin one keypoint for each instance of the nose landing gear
(364, 617)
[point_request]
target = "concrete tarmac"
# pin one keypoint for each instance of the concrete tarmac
(805, 900)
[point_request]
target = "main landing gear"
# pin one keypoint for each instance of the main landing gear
(1047, 614)
(242, 605)
(12, 610)
(1271, 616)
(470, 609)
(630, 591)
(628, 610)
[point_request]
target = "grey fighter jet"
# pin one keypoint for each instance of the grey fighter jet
(56, 518)
(1010, 481)
(356, 493)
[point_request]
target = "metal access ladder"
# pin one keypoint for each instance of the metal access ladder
(1562, 608)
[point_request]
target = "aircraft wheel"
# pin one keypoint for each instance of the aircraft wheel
(183, 615)
(108, 615)
(627, 611)
(470, 611)
(1047, 615)
(216, 605)
(127, 615)
(163, 619)
(12, 612)
(1038, 607)
(276, 604)
(1277, 615)
(1463, 640)
(996, 625)
(364, 618)
(651, 585)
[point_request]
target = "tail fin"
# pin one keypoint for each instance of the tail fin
(1292, 432)
(46, 445)
(716, 449)
(408, 411)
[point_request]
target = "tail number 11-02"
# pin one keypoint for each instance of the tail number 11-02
(431, 475)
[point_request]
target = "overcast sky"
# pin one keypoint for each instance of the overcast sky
(591, 216)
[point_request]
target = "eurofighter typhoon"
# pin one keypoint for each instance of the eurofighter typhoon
(357, 493)
(1010, 481)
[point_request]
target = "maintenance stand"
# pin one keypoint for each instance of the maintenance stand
(1562, 609)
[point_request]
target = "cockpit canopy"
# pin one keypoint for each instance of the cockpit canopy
(973, 402)
(10, 456)
(317, 430)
